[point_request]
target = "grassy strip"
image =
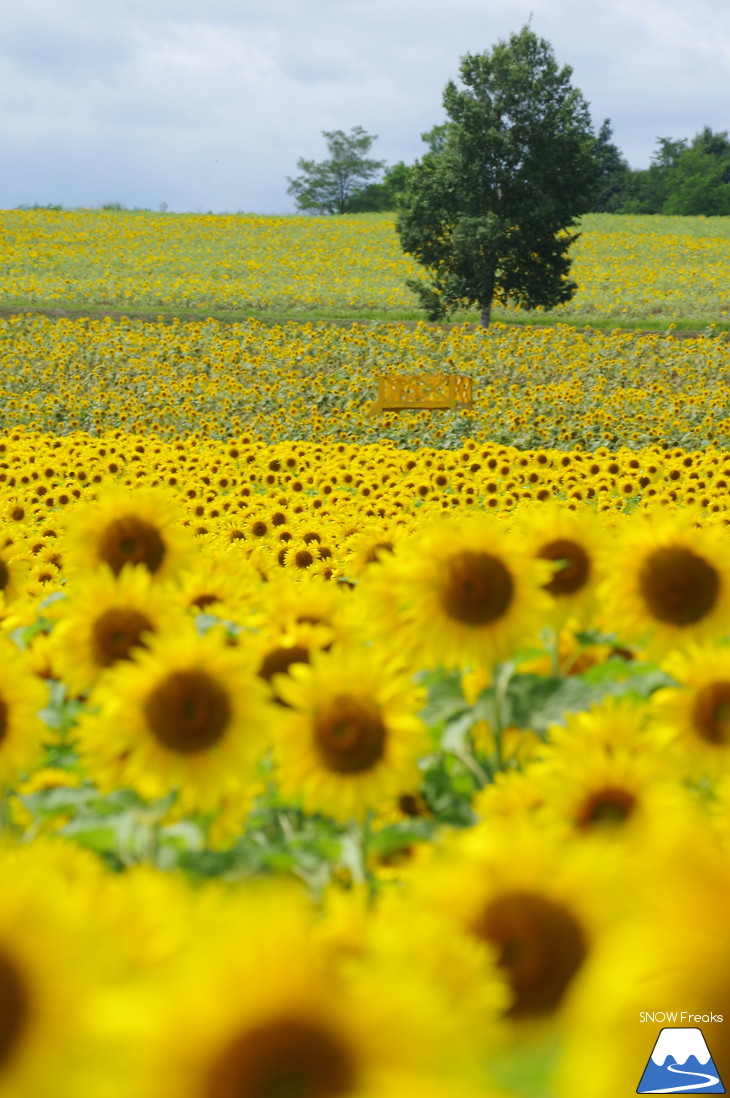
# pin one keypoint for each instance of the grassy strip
(687, 326)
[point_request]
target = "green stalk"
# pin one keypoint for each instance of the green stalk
(501, 678)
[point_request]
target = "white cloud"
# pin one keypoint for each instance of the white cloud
(210, 107)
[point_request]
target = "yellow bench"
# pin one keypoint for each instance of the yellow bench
(415, 391)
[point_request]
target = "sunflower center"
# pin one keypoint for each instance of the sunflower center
(376, 550)
(201, 601)
(131, 540)
(284, 1058)
(116, 633)
(540, 945)
(610, 806)
(188, 712)
(4, 575)
(477, 588)
(350, 735)
(678, 586)
(411, 805)
(575, 570)
(278, 661)
(711, 713)
(13, 1008)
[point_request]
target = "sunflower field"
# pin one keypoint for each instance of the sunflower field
(661, 270)
(349, 754)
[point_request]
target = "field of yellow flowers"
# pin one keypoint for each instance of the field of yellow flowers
(359, 756)
(659, 270)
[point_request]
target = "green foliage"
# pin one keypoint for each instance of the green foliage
(612, 172)
(686, 178)
(329, 186)
(381, 197)
(700, 180)
(487, 209)
(435, 138)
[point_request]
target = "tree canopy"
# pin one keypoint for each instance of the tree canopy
(488, 209)
(328, 186)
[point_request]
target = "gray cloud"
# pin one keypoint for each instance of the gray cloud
(146, 101)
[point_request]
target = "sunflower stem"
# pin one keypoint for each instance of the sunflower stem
(361, 873)
(152, 845)
(555, 652)
(501, 678)
(6, 820)
(467, 757)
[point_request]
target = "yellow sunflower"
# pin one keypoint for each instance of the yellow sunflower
(49, 972)
(225, 585)
(667, 583)
(186, 714)
(460, 593)
(123, 526)
(352, 737)
(297, 618)
(369, 545)
(537, 905)
(512, 795)
(610, 726)
(667, 957)
(325, 608)
(427, 958)
(596, 794)
(14, 573)
(255, 1011)
(696, 713)
(22, 696)
(103, 619)
(572, 541)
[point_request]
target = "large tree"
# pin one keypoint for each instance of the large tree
(488, 210)
(329, 185)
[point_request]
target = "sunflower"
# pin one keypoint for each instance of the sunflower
(369, 545)
(103, 619)
(460, 593)
(430, 960)
(660, 959)
(22, 696)
(618, 795)
(297, 618)
(668, 582)
(696, 712)
(352, 737)
(255, 1012)
(186, 714)
(48, 975)
(537, 906)
(141, 526)
(608, 727)
(323, 607)
(14, 573)
(224, 585)
(572, 542)
(512, 795)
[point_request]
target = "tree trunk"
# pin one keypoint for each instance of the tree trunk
(486, 315)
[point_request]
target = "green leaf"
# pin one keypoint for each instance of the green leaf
(445, 697)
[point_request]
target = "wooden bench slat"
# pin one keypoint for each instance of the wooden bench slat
(412, 392)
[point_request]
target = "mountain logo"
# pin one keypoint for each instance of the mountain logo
(680, 1063)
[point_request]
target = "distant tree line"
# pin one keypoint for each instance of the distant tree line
(684, 177)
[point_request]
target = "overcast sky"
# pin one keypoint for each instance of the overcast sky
(208, 106)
